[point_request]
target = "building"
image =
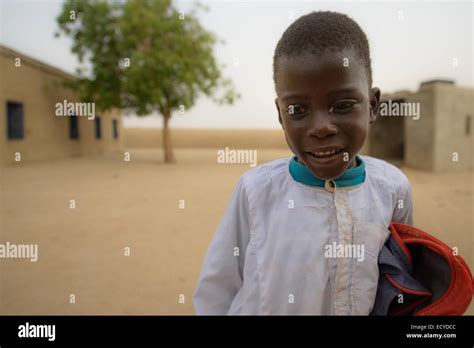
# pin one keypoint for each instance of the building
(430, 129)
(33, 124)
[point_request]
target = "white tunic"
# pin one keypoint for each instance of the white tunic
(268, 254)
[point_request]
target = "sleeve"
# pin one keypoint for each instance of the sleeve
(403, 212)
(222, 272)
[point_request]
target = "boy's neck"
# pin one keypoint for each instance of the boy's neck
(352, 176)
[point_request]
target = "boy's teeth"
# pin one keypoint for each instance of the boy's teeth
(325, 153)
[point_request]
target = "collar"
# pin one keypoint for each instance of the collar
(350, 177)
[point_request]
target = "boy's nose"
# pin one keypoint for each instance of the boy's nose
(321, 125)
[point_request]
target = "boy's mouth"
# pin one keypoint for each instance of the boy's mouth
(325, 153)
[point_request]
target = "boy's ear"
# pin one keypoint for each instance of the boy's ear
(374, 104)
(278, 110)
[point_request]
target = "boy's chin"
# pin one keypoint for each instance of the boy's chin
(330, 172)
(327, 171)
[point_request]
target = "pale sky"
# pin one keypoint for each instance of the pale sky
(410, 42)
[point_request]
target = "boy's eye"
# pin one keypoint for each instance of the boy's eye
(296, 109)
(343, 106)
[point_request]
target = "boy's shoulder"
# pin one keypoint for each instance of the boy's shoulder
(264, 174)
(385, 173)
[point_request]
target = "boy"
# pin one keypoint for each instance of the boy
(302, 235)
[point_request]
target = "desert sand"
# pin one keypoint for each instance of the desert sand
(136, 204)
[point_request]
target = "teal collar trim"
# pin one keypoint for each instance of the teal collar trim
(350, 177)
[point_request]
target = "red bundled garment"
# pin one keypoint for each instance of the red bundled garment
(420, 275)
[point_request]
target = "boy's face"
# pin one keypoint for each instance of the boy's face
(325, 106)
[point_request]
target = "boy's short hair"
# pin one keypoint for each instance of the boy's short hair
(317, 32)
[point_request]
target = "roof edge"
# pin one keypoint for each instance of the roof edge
(10, 52)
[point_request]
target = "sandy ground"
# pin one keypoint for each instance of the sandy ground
(136, 204)
(207, 138)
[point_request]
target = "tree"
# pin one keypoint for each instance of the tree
(143, 56)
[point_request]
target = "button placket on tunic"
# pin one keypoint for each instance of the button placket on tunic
(343, 279)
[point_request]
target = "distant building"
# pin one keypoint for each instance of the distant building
(439, 138)
(34, 125)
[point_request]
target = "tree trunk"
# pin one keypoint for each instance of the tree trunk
(167, 146)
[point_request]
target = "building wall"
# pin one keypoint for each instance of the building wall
(90, 145)
(420, 134)
(386, 134)
(441, 129)
(453, 106)
(46, 136)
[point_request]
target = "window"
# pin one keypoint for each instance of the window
(98, 133)
(468, 125)
(15, 120)
(115, 129)
(73, 127)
